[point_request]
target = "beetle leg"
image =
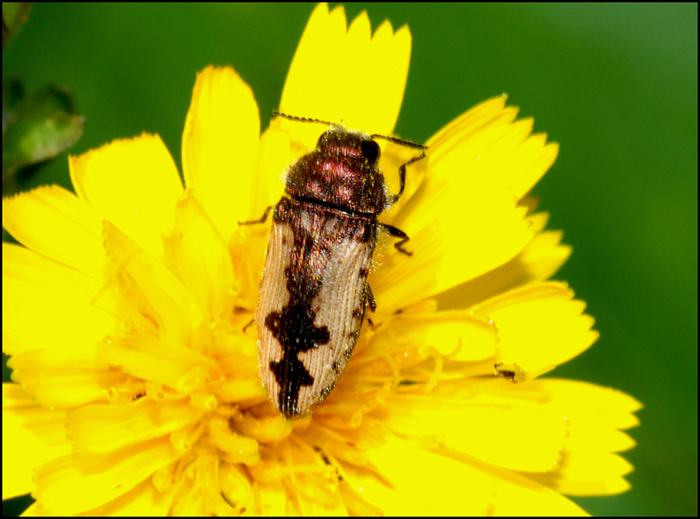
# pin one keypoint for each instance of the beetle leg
(398, 233)
(262, 219)
(247, 325)
(369, 297)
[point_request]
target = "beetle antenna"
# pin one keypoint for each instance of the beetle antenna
(395, 140)
(402, 142)
(301, 119)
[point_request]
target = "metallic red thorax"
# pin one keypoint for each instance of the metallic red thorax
(341, 172)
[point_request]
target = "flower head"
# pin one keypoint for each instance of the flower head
(127, 317)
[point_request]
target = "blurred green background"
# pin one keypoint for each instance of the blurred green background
(616, 85)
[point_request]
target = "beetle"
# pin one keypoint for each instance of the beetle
(314, 289)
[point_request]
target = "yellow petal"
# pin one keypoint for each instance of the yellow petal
(539, 325)
(105, 428)
(52, 221)
(539, 261)
(392, 502)
(585, 436)
(247, 248)
(236, 487)
(274, 155)
(143, 500)
(591, 473)
(179, 368)
(594, 413)
(270, 498)
(465, 208)
(469, 122)
(248, 242)
(74, 312)
(455, 334)
(220, 146)
(132, 183)
(508, 434)
(63, 378)
(346, 75)
(31, 436)
(392, 158)
(452, 249)
(447, 487)
(516, 495)
(75, 483)
(167, 302)
(490, 152)
(589, 404)
(203, 259)
(198, 491)
(315, 488)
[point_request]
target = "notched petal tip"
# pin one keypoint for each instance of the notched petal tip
(369, 101)
(540, 325)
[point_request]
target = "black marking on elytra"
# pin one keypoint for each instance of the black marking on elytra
(289, 368)
(293, 326)
(315, 230)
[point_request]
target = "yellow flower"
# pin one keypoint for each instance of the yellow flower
(126, 314)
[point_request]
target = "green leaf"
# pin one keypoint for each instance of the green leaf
(36, 127)
(33, 139)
